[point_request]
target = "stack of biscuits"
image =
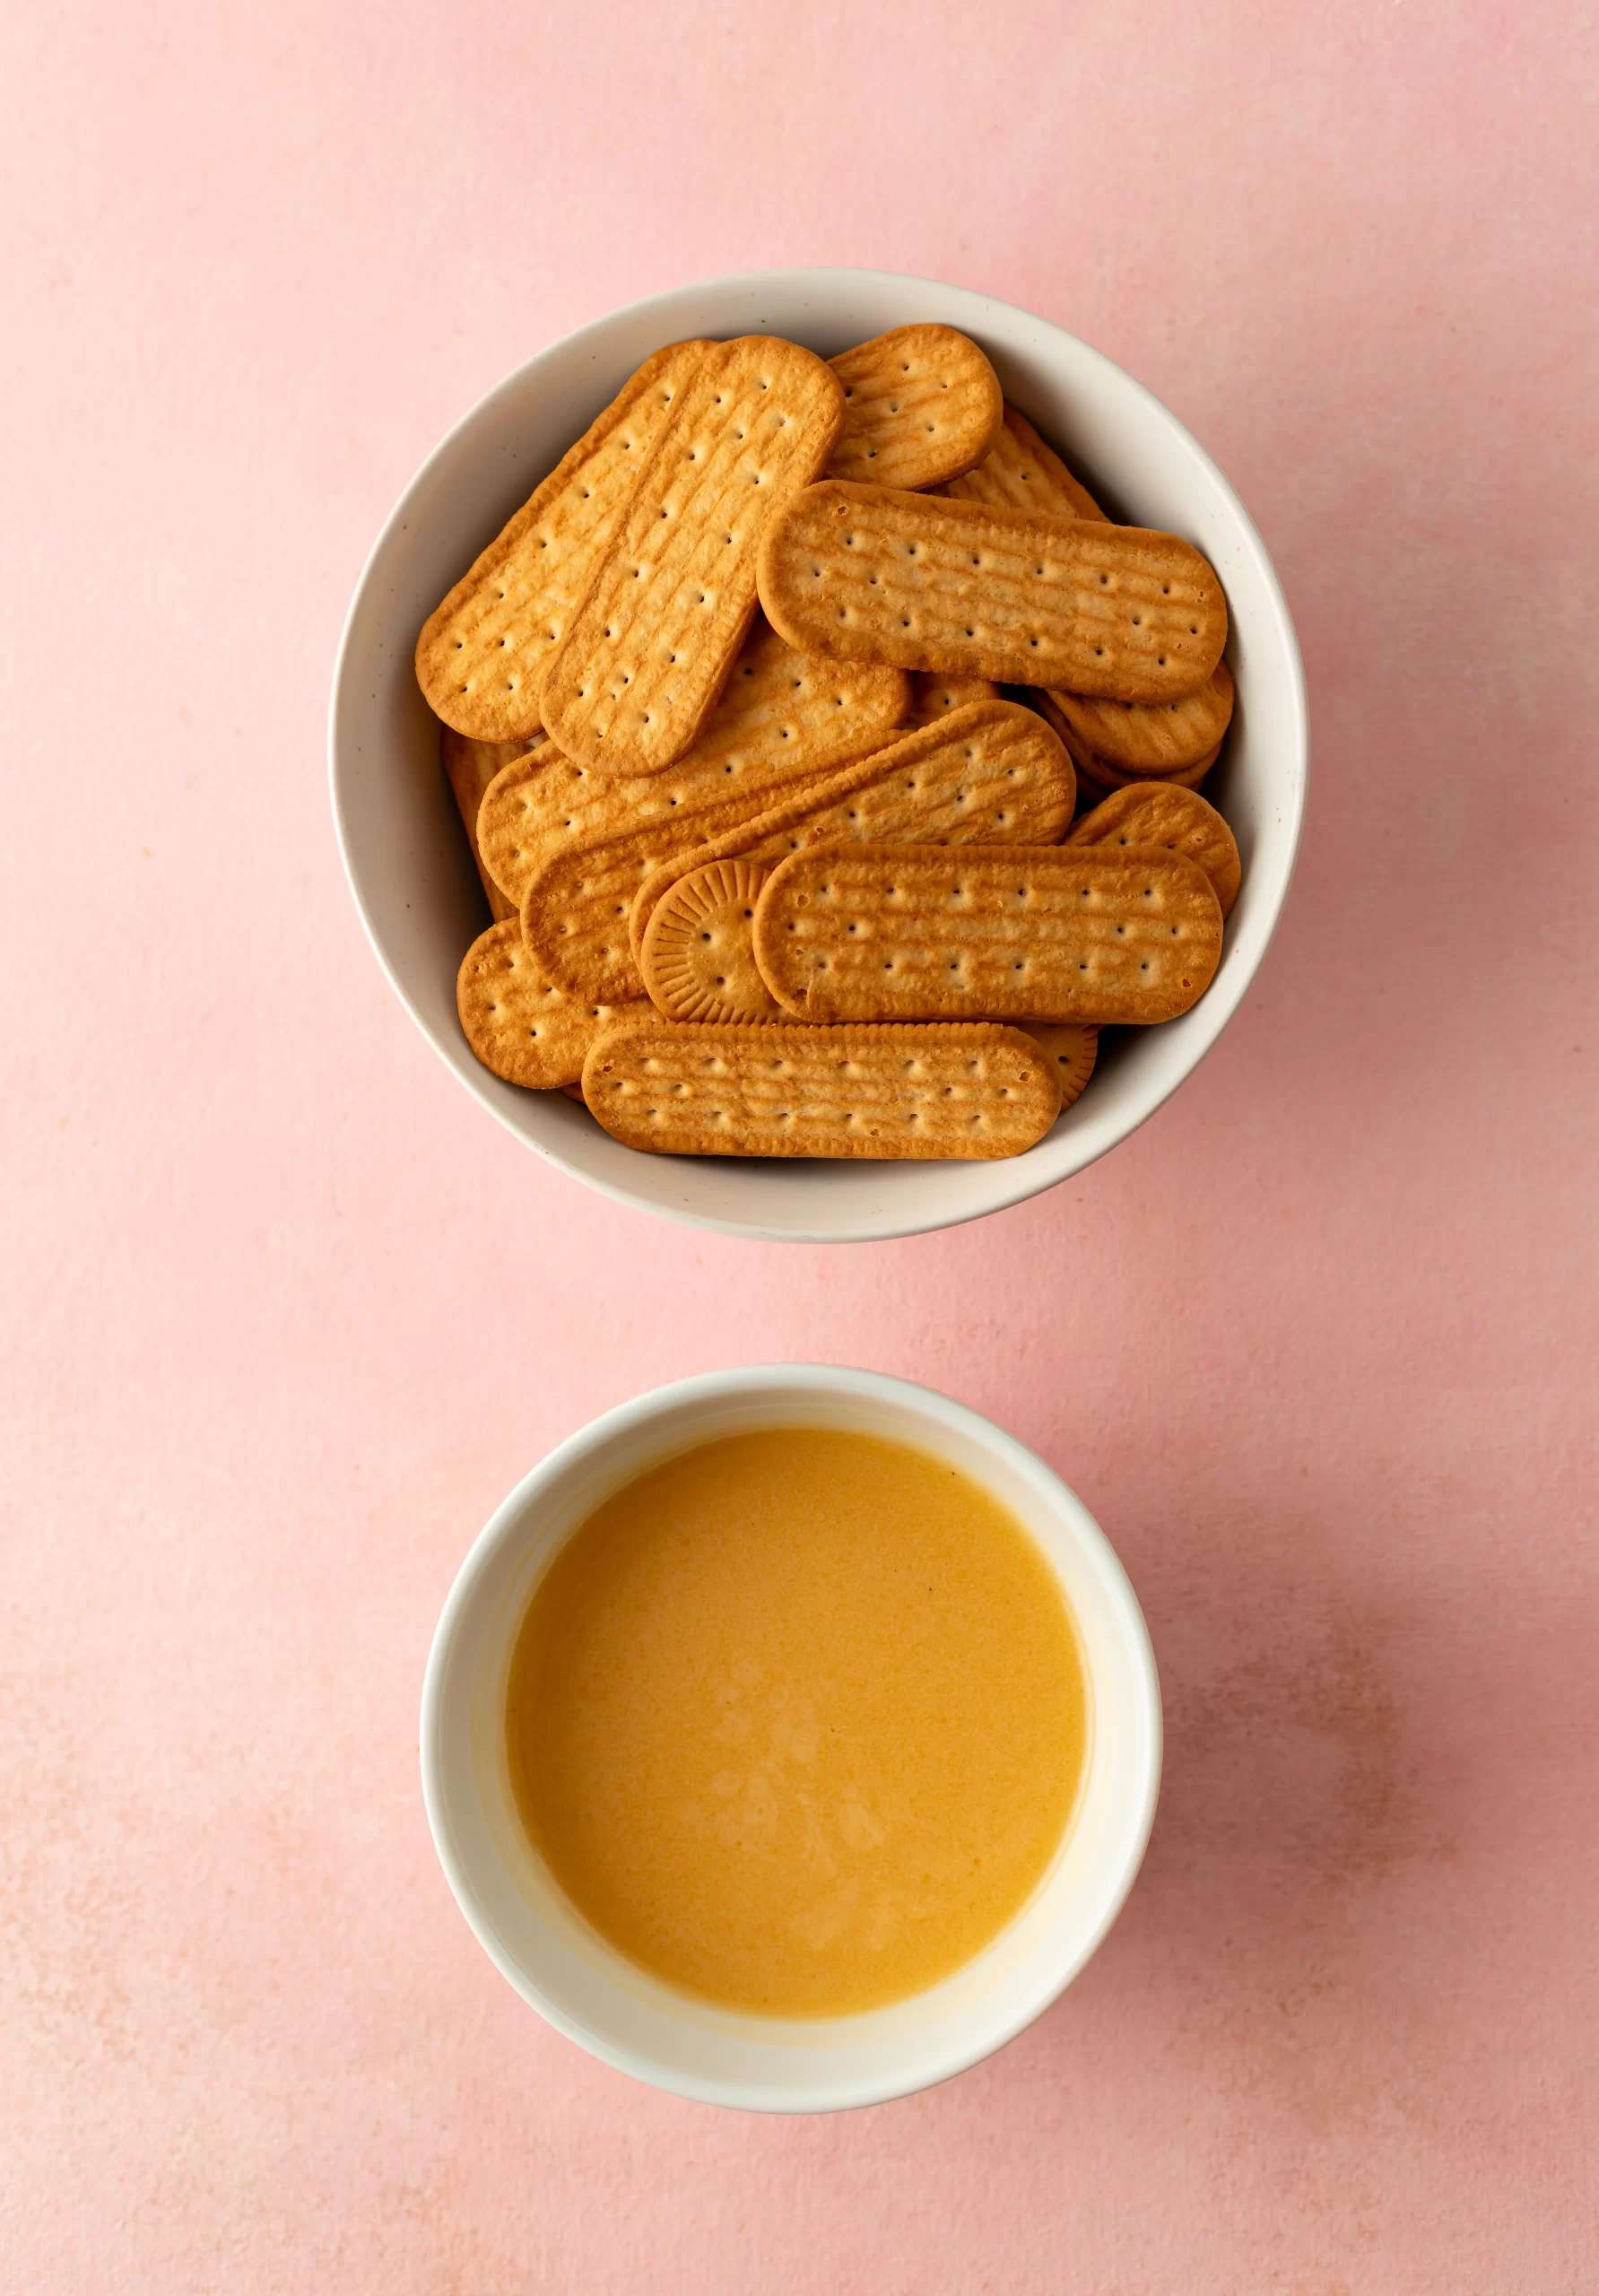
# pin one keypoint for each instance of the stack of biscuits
(830, 760)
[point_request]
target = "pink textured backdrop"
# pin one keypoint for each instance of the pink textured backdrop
(288, 1314)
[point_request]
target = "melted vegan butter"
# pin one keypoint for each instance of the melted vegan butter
(797, 1720)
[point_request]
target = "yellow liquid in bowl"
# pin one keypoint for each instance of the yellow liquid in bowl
(797, 1720)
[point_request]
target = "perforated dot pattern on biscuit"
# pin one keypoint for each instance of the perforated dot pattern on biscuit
(922, 1093)
(853, 933)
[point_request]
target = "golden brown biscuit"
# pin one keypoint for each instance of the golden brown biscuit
(783, 718)
(470, 767)
(932, 697)
(921, 405)
(1072, 1046)
(1179, 820)
(1157, 738)
(517, 1021)
(1020, 473)
(698, 959)
(986, 774)
(848, 933)
(642, 660)
(1096, 777)
(966, 1092)
(481, 656)
(869, 573)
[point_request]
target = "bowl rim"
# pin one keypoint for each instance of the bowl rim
(1220, 1003)
(509, 1523)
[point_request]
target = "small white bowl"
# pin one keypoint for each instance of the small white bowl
(407, 859)
(582, 1985)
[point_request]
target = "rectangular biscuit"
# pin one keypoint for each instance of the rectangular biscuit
(644, 657)
(1158, 739)
(931, 696)
(1163, 813)
(575, 905)
(469, 767)
(1009, 933)
(874, 574)
(520, 1025)
(781, 716)
(482, 653)
(1020, 473)
(921, 405)
(990, 773)
(686, 1089)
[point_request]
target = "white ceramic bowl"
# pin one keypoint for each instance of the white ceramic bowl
(407, 859)
(590, 1992)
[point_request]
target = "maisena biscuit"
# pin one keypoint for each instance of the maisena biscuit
(1097, 777)
(1156, 738)
(917, 932)
(902, 1092)
(480, 657)
(1072, 1046)
(1160, 813)
(647, 653)
(869, 573)
(1020, 473)
(470, 767)
(921, 405)
(698, 956)
(986, 774)
(932, 696)
(517, 1021)
(782, 715)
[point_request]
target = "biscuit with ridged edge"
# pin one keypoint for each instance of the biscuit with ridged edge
(1179, 820)
(481, 653)
(576, 904)
(986, 774)
(966, 1092)
(698, 959)
(873, 573)
(469, 768)
(848, 933)
(644, 657)
(1096, 777)
(1021, 471)
(1074, 1046)
(1159, 738)
(782, 717)
(921, 405)
(517, 1021)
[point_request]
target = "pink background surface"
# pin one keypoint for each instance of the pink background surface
(288, 1313)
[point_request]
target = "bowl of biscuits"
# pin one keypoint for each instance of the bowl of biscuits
(820, 754)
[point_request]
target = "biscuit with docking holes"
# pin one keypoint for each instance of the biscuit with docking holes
(681, 1090)
(1158, 739)
(846, 932)
(469, 767)
(1161, 813)
(871, 573)
(921, 405)
(481, 653)
(642, 660)
(698, 959)
(986, 774)
(782, 717)
(932, 697)
(1074, 1046)
(1096, 777)
(517, 1022)
(1021, 473)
